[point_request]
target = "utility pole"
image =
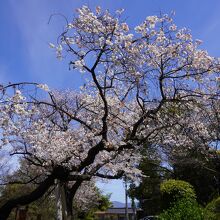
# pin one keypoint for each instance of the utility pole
(126, 200)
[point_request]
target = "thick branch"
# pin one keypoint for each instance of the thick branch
(6, 209)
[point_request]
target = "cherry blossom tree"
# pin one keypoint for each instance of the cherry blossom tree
(142, 85)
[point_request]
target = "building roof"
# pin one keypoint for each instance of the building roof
(116, 211)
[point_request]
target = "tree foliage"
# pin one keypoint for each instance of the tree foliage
(193, 166)
(179, 201)
(44, 207)
(183, 209)
(212, 210)
(174, 190)
(147, 191)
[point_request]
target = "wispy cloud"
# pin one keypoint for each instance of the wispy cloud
(31, 18)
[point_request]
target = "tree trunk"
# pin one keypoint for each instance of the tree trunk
(68, 203)
(69, 207)
(69, 195)
(59, 214)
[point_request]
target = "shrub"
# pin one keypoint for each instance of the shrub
(173, 190)
(183, 209)
(212, 210)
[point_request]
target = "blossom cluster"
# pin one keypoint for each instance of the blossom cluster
(149, 85)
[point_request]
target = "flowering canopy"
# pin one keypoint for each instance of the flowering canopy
(147, 85)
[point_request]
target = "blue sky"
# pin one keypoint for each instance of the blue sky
(25, 34)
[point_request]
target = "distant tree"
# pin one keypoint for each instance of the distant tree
(147, 191)
(193, 166)
(102, 203)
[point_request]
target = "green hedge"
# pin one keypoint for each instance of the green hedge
(183, 209)
(212, 210)
(173, 190)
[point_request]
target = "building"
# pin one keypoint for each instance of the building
(115, 214)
